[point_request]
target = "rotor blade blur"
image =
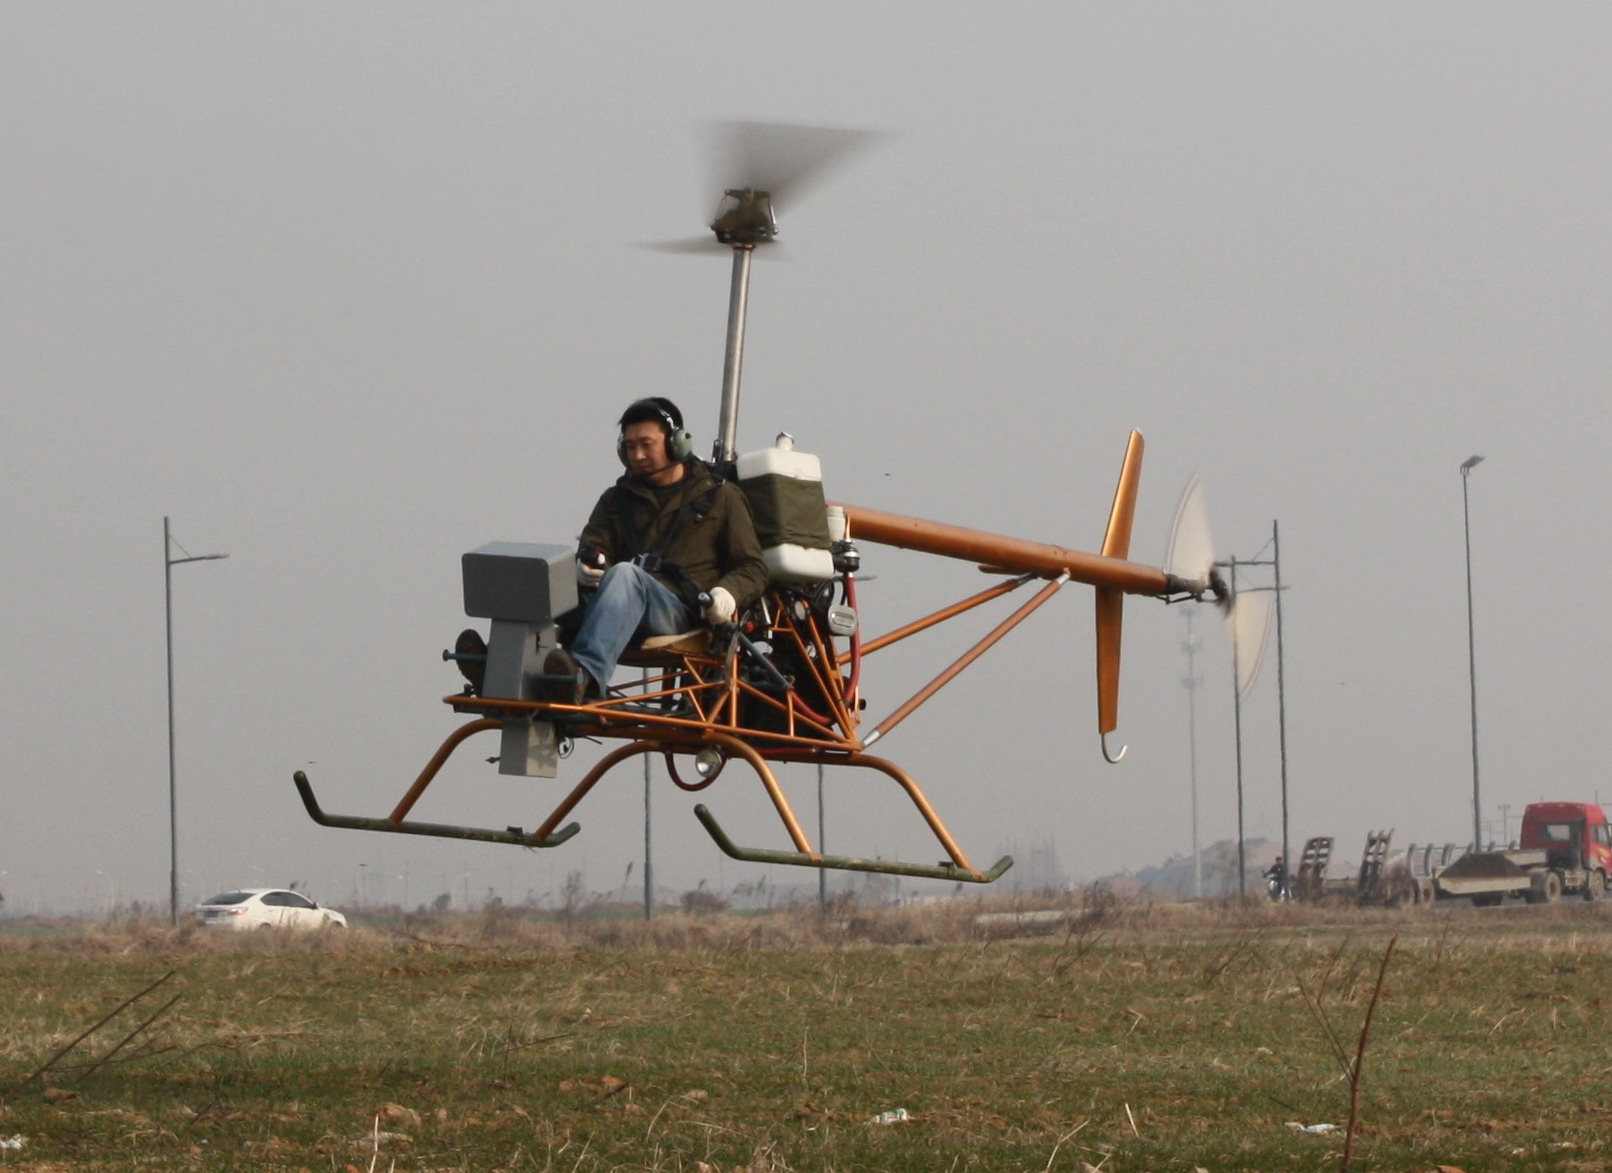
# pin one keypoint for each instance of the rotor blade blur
(781, 158)
(703, 246)
(697, 245)
(1248, 624)
(1191, 550)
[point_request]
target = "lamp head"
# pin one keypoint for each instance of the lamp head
(1469, 462)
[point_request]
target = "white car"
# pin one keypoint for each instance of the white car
(267, 908)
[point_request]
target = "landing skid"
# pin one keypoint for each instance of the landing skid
(441, 830)
(945, 870)
(673, 740)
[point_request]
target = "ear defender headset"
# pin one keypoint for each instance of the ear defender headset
(679, 444)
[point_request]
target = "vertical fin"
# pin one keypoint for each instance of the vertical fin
(1110, 600)
(1117, 538)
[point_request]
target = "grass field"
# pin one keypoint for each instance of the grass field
(1142, 1038)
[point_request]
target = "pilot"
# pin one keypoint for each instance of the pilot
(666, 534)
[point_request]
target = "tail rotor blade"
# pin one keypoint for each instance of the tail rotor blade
(1248, 626)
(1190, 554)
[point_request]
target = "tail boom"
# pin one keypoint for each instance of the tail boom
(1111, 572)
(1009, 555)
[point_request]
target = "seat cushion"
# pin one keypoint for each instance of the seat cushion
(665, 649)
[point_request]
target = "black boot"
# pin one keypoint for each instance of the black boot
(571, 689)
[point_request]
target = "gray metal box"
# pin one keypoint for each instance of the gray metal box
(522, 581)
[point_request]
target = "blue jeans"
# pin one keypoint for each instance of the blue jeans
(630, 601)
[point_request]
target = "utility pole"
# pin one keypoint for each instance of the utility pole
(1192, 682)
(1275, 562)
(1281, 700)
(1467, 466)
(1237, 724)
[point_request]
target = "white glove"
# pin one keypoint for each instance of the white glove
(590, 576)
(721, 607)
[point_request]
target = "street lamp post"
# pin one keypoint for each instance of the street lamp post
(1471, 649)
(169, 562)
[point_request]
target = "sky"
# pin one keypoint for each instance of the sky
(345, 290)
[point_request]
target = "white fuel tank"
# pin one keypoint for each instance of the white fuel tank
(785, 491)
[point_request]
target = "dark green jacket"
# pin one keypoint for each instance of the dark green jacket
(715, 544)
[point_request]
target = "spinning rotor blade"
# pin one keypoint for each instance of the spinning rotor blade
(757, 166)
(780, 158)
(1190, 554)
(693, 245)
(1248, 626)
(1190, 557)
(708, 245)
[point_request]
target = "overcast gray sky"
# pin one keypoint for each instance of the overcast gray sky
(347, 289)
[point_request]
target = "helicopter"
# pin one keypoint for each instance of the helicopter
(783, 683)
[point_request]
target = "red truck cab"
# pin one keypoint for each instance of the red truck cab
(1574, 834)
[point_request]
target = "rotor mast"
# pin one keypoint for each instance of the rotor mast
(743, 220)
(725, 450)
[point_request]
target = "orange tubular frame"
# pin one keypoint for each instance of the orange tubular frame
(796, 703)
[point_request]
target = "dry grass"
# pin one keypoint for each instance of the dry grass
(1129, 1037)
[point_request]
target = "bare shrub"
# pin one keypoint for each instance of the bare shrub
(701, 900)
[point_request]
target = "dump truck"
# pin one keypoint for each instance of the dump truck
(1564, 849)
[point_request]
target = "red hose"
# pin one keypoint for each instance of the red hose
(856, 642)
(691, 787)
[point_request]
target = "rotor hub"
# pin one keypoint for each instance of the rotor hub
(745, 218)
